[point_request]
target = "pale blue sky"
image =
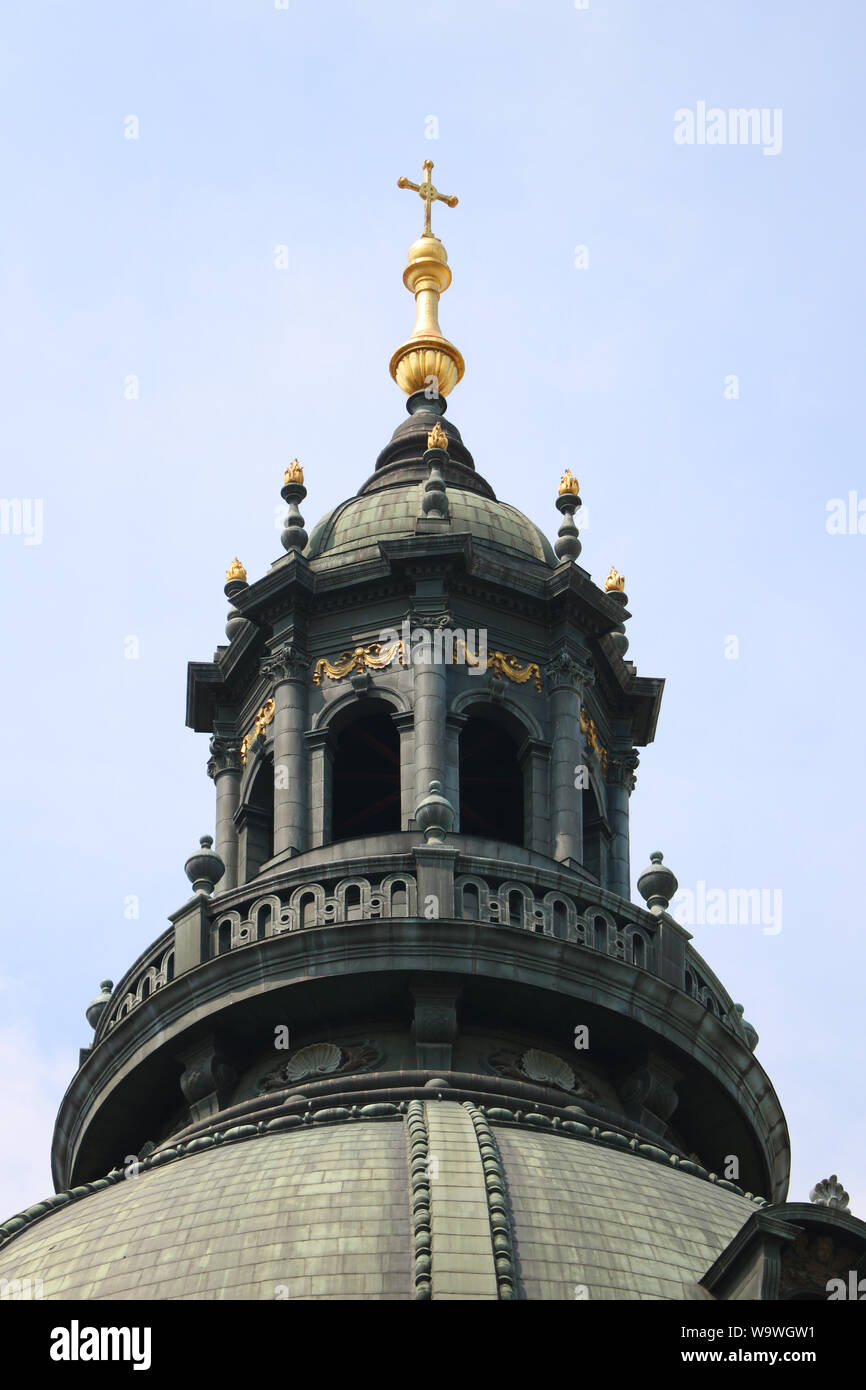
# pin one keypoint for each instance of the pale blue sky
(155, 257)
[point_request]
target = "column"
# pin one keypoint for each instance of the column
(429, 725)
(568, 676)
(225, 768)
(405, 725)
(534, 758)
(620, 785)
(451, 785)
(321, 765)
(287, 668)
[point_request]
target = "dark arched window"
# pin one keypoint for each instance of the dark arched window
(491, 782)
(260, 817)
(591, 833)
(366, 779)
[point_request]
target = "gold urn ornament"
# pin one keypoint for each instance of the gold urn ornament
(235, 571)
(615, 582)
(568, 483)
(294, 473)
(437, 438)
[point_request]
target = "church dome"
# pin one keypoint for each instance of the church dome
(391, 513)
(331, 1210)
(388, 506)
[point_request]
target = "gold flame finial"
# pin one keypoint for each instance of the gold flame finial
(437, 438)
(427, 361)
(235, 571)
(615, 582)
(568, 483)
(294, 473)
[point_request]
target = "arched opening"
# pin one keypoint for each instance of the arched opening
(365, 784)
(491, 781)
(256, 819)
(591, 833)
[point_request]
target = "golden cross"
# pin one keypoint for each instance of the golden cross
(430, 194)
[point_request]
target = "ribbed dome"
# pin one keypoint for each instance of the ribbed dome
(326, 1211)
(392, 512)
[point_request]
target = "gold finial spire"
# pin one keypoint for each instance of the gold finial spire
(294, 473)
(615, 582)
(437, 438)
(427, 361)
(430, 194)
(235, 571)
(568, 483)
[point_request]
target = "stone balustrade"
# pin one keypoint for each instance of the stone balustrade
(455, 882)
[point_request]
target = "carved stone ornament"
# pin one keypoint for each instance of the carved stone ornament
(285, 663)
(569, 670)
(621, 769)
(225, 756)
(321, 1059)
(544, 1068)
(829, 1193)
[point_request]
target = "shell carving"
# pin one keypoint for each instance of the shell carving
(547, 1069)
(317, 1060)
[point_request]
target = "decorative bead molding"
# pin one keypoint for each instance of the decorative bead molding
(497, 1202)
(419, 1174)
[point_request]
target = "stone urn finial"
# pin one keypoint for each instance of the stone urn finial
(657, 884)
(204, 869)
(96, 1006)
(434, 814)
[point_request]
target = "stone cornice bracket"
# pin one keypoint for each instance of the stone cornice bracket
(285, 662)
(571, 670)
(225, 756)
(649, 1093)
(207, 1079)
(621, 769)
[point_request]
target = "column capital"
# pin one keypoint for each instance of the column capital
(225, 756)
(285, 662)
(570, 669)
(621, 768)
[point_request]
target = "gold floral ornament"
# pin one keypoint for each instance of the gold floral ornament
(568, 483)
(235, 571)
(437, 438)
(375, 657)
(615, 582)
(587, 727)
(499, 664)
(294, 473)
(261, 722)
